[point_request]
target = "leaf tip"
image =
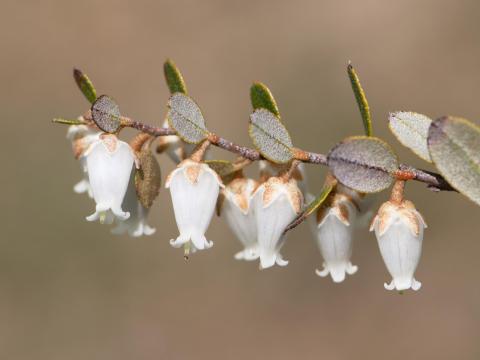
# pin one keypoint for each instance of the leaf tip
(174, 77)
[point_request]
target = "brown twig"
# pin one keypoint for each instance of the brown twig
(435, 181)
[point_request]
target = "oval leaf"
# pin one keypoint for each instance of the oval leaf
(148, 177)
(185, 116)
(411, 129)
(454, 145)
(363, 163)
(270, 137)
(106, 114)
(85, 85)
(174, 78)
(262, 98)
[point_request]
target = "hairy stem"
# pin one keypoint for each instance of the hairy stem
(434, 181)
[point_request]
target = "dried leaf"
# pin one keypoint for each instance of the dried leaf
(454, 145)
(221, 167)
(270, 137)
(363, 163)
(186, 118)
(411, 129)
(148, 177)
(85, 85)
(174, 78)
(361, 100)
(262, 98)
(225, 169)
(106, 114)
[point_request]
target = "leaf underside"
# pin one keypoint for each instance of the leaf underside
(148, 178)
(411, 129)
(365, 164)
(186, 118)
(270, 137)
(106, 114)
(454, 145)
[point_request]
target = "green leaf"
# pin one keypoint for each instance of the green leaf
(185, 116)
(148, 177)
(361, 100)
(262, 98)
(68, 121)
(106, 114)
(365, 164)
(454, 145)
(270, 137)
(411, 129)
(85, 85)
(311, 207)
(174, 78)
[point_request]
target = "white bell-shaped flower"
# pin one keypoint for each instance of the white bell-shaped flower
(136, 225)
(239, 212)
(194, 188)
(176, 149)
(334, 230)
(276, 203)
(399, 231)
(81, 137)
(109, 165)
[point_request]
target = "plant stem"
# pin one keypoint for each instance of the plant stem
(434, 181)
(396, 196)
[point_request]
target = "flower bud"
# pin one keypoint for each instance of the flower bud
(239, 213)
(335, 223)
(194, 188)
(276, 203)
(136, 225)
(109, 165)
(399, 229)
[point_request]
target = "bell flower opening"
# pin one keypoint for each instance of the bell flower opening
(276, 203)
(239, 214)
(399, 229)
(194, 188)
(334, 230)
(109, 165)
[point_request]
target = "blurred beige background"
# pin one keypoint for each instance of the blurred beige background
(70, 290)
